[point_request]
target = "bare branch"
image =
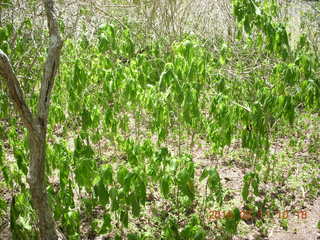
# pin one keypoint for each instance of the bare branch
(113, 17)
(51, 64)
(15, 91)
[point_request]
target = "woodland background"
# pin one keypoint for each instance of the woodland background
(163, 116)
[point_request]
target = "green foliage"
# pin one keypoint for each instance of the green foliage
(250, 179)
(213, 183)
(253, 14)
(231, 221)
(192, 230)
(118, 107)
(21, 217)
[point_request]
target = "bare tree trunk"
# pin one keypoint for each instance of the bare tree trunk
(37, 125)
(37, 183)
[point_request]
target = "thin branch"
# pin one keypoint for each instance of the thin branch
(119, 6)
(51, 64)
(113, 17)
(244, 107)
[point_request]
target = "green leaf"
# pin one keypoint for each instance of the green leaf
(245, 188)
(106, 224)
(86, 118)
(204, 175)
(231, 222)
(3, 34)
(103, 44)
(214, 184)
(124, 218)
(1, 155)
(102, 193)
(114, 199)
(165, 186)
(21, 160)
(135, 206)
(85, 172)
(108, 117)
(107, 174)
(122, 174)
(185, 178)
(255, 184)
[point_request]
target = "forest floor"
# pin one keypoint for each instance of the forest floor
(293, 185)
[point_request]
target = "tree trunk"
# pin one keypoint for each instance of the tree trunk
(37, 183)
(37, 123)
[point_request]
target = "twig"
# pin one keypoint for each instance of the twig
(244, 107)
(113, 17)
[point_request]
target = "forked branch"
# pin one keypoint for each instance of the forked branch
(37, 125)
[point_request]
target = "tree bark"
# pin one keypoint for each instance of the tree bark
(37, 183)
(37, 125)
